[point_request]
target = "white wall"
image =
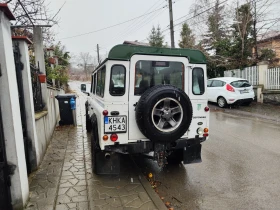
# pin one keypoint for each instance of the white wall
(45, 125)
(11, 117)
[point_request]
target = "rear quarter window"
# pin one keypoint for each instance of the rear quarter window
(198, 84)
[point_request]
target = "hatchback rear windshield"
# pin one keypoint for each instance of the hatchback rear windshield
(240, 84)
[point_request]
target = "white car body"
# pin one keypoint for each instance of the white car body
(121, 110)
(217, 87)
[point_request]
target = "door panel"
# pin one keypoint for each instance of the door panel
(156, 75)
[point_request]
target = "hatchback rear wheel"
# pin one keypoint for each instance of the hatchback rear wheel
(222, 102)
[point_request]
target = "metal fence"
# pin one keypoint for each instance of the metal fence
(273, 79)
(249, 73)
(36, 87)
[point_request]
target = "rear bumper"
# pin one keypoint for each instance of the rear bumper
(242, 101)
(148, 146)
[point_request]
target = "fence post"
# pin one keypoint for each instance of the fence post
(28, 99)
(40, 58)
(262, 66)
(11, 112)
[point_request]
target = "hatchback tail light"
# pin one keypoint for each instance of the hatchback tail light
(229, 88)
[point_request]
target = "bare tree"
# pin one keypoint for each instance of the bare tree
(32, 12)
(86, 61)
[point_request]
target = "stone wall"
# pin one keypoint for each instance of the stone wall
(46, 122)
(271, 97)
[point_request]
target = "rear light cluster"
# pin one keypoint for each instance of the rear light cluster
(229, 88)
(204, 132)
(206, 109)
(114, 137)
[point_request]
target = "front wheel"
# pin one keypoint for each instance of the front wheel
(222, 103)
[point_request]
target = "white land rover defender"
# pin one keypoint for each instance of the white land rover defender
(147, 99)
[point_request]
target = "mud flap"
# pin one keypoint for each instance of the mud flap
(107, 163)
(192, 154)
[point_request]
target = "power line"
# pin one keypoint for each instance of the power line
(102, 29)
(197, 14)
(135, 24)
(59, 10)
(143, 24)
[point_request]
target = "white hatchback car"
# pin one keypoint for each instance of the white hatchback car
(230, 90)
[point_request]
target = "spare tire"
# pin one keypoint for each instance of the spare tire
(164, 113)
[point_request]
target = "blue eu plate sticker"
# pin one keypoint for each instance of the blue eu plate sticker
(106, 120)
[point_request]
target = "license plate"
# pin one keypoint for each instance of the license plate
(244, 91)
(115, 124)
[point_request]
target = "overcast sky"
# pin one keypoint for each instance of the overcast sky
(83, 16)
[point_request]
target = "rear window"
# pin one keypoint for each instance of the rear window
(151, 73)
(240, 84)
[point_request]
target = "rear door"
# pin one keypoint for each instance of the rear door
(243, 89)
(147, 71)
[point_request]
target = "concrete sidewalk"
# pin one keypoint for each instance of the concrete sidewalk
(65, 179)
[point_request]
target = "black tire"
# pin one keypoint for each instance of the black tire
(221, 101)
(176, 156)
(150, 100)
(95, 148)
(88, 122)
(247, 103)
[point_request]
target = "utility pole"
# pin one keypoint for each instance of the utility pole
(98, 58)
(255, 30)
(171, 24)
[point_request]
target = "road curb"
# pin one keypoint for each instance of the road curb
(150, 191)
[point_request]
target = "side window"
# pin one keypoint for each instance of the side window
(218, 83)
(117, 83)
(209, 82)
(198, 86)
(100, 82)
(93, 83)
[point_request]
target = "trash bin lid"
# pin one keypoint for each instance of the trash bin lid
(65, 96)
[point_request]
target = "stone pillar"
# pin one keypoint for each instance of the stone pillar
(28, 101)
(11, 112)
(40, 58)
(50, 53)
(262, 66)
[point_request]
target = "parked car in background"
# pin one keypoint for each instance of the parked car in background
(230, 90)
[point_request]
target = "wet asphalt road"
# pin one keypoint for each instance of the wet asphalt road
(240, 168)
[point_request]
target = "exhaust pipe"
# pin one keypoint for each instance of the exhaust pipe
(107, 156)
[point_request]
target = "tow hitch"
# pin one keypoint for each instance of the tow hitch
(160, 154)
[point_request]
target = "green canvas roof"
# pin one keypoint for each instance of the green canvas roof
(125, 52)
